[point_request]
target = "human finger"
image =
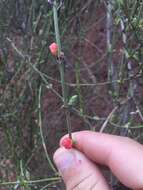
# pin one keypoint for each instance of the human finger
(77, 171)
(122, 155)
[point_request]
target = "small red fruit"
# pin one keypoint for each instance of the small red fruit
(67, 143)
(54, 49)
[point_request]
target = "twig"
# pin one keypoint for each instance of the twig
(112, 68)
(107, 120)
(109, 35)
(42, 75)
(31, 181)
(61, 68)
(50, 185)
(41, 133)
(138, 109)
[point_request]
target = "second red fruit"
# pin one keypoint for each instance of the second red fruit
(67, 143)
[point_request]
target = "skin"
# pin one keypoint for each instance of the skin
(79, 166)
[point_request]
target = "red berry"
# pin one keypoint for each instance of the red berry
(54, 49)
(67, 143)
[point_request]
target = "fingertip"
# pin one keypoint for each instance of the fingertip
(113, 151)
(57, 153)
(77, 170)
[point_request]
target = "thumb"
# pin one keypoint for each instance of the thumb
(78, 172)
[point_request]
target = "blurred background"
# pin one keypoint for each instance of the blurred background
(102, 41)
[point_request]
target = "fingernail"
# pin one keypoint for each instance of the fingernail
(64, 159)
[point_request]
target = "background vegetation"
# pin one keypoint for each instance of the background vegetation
(103, 46)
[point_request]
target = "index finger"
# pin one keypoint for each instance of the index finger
(121, 154)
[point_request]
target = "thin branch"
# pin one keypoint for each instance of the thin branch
(31, 181)
(108, 119)
(61, 68)
(41, 133)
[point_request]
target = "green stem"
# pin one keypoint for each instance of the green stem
(41, 133)
(31, 182)
(61, 68)
(56, 25)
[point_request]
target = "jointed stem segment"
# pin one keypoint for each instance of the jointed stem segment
(61, 68)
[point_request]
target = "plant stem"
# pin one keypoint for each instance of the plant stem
(61, 68)
(31, 182)
(41, 133)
